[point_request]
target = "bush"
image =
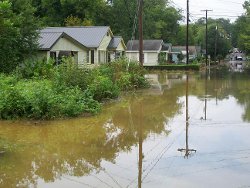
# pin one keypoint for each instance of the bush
(44, 91)
(35, 69)
(39, 99)
(103, 88)
(127, 75)
(68, 73)
(124, 82)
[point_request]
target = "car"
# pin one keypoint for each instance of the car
(239, 58)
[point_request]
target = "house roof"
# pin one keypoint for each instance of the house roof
(166, 46)
(148, 45)
(192, 49)
(90, 36)
(47, 39)
(116, 40)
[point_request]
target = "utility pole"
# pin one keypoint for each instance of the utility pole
(141, 32)
(215, 45)
(186, 149)
(187, 37)
(206, 35)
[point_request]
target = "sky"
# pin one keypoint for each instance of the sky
(228, 9)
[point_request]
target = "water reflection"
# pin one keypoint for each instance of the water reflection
(187, 150)
(134, 142)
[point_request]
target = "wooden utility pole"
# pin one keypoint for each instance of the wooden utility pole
(206, 36)
(187, 34)
(141, 32)
(216, 40)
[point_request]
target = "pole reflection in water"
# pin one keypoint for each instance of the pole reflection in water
(205, 96)
(186, 149)
(140, 149)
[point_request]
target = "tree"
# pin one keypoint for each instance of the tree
(160, 19)
(56, 12)
(18, 33)
(241, 31)
(223, 42)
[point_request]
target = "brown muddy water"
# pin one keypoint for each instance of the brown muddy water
(184, 131)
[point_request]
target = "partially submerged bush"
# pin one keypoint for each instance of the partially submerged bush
(40, 90)
(103, 88)
(39, 99)
(127, 75)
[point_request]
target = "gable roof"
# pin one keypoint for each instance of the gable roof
(90, 37)
(46, 39)
(114, 43)
(166, 46)
(148, 45)
(192, 49)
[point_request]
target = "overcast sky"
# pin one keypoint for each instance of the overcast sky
(228, 9)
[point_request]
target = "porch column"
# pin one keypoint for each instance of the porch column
(48, 56)
(57, 55)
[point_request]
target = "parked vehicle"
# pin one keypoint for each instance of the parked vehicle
(239, 58)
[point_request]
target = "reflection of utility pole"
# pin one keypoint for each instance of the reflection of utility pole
(140, 140)
(140, 32)
(206, 35)
(140, 158)
(187, 37)
(187, 150)
(206, 97)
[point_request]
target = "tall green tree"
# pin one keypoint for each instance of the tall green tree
(160, 19)
(18, 33)
(55, 12)
(241, 31)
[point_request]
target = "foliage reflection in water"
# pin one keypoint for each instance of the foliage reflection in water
(135, 142)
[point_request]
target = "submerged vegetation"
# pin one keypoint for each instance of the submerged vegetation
(42, 91)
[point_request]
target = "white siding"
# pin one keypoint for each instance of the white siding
(152, 58)
(120, 47)
(101, 52)
(132, 56)
(64, 44)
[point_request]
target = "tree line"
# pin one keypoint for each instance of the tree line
(21, 19)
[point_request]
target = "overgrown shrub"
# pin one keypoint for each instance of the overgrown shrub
(103, 88)
(41, 90)
(33, 69)
(127, 75)
(68, 73)
(124, 82)
(39, 99)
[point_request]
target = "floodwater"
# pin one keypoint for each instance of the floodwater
(183, 132)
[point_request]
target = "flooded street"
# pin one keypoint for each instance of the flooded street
(185, 131)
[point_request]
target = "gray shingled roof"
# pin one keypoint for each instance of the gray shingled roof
(47, 40)
(166, 46)
(148, 45)
(192, 49)
(90, 37)
(114, 42)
